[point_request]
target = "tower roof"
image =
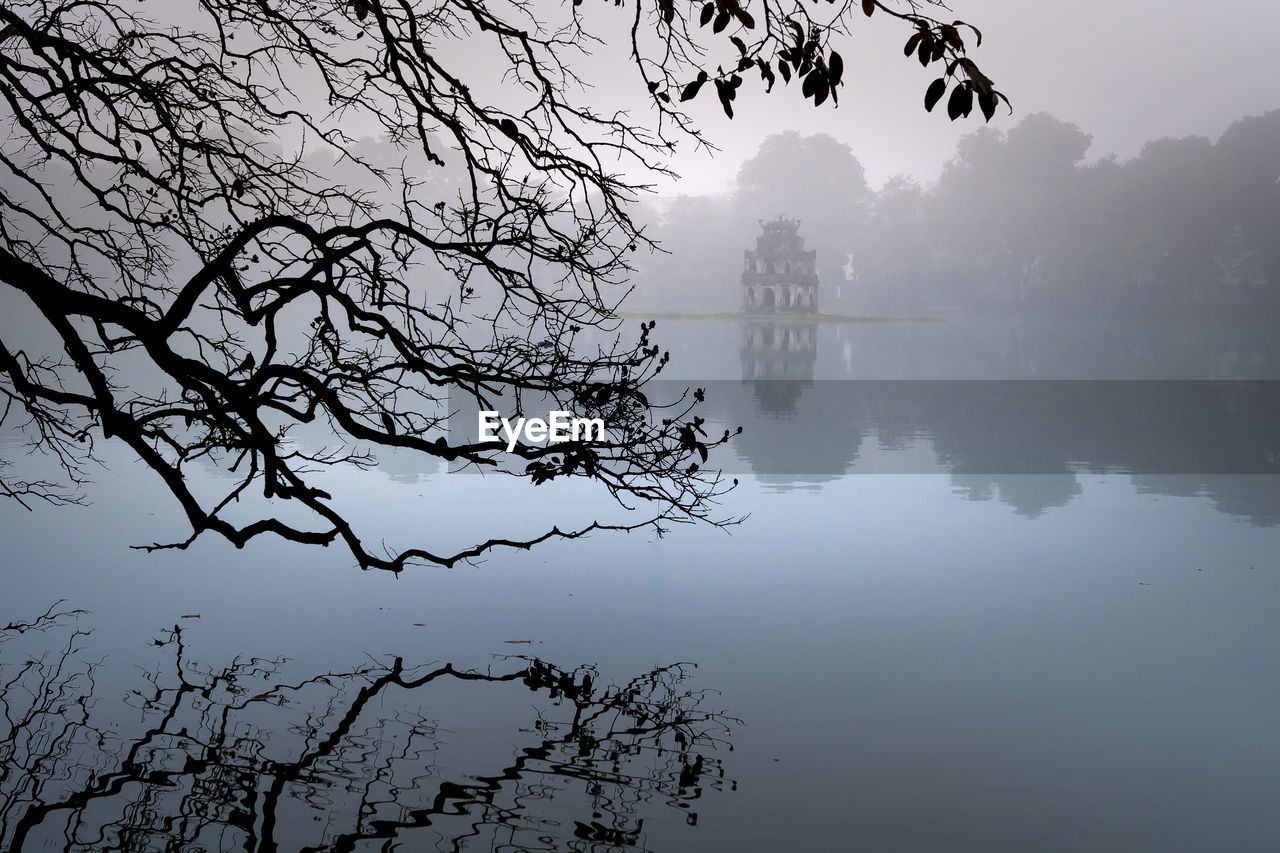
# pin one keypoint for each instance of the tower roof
(782, 223)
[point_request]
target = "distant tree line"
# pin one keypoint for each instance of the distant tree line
(1017, 222)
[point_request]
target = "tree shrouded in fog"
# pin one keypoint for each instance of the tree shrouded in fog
(197, 253)
(1021, 221)
(816, 179)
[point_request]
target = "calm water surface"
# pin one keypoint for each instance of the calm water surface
(968, 659)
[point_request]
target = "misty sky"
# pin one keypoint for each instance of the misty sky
(1125, 72)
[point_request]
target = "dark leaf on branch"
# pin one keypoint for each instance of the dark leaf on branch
(766, 74)
(725, 91)
(979, 80)
(814, 82)
(961, 102)
(691, 91)
(987, 103)
(835, 68)
(936, 90)
(925, 52)
(977, 32)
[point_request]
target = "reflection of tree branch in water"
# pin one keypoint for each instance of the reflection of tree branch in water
(238, 758)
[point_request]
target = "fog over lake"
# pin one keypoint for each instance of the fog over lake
(990, 561)
(1008, 646)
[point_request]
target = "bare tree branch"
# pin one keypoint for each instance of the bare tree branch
(213, 257)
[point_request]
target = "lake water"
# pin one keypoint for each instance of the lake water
(960, 616)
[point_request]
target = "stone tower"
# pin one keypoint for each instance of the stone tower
(779, 276)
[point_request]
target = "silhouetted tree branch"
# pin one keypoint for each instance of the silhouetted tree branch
(208, 256)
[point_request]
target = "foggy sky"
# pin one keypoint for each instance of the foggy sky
(1125, 72)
